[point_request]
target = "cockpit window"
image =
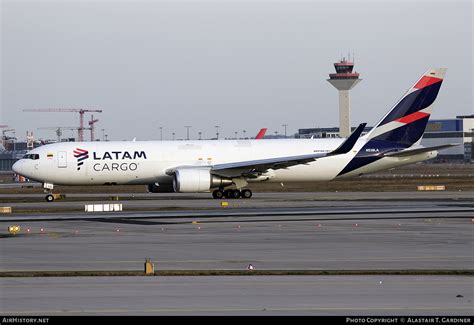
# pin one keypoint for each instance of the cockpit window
(33, 156)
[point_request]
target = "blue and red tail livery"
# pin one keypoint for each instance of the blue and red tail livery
(406, 121)
(404, 125)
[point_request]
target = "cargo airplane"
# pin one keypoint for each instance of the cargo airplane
(227, 167)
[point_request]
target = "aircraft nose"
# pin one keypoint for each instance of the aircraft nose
(17, 167)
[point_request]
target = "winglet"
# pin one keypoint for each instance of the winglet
(347, 145)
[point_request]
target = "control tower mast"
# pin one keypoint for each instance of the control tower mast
(344, 80)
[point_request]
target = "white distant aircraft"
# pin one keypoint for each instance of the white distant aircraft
(226, 167)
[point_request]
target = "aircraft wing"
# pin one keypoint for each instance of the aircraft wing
(409, 152)
(252, 168)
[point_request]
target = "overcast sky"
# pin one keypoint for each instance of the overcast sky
(241, 65)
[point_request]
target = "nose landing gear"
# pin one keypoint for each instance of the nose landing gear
(48, 189)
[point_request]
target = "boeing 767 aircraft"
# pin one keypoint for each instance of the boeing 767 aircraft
(226, 167)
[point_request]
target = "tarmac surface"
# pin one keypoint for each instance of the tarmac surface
(242, 295)
(272, 231)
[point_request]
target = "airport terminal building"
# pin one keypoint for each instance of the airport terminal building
(459, 130)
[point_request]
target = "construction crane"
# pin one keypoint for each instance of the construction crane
(2, 140)
(91, 126)
(59, 129)
(4, 137)
(30, 141)
(7, 130)
(80, 130)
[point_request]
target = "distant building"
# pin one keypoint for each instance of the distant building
(332, 132)
(459, 130)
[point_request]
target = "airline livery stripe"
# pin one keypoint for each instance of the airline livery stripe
(82, 150)
(413, 102)
(426, 81)
(412, 117)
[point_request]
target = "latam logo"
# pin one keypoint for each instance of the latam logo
(81, 155)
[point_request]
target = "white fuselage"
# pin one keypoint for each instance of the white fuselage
(146, 162)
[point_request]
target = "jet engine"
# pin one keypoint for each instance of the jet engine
(193, 180)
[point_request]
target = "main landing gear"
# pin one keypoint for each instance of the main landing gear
(232, 194)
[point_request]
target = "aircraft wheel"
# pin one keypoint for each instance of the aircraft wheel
(49, 198)
(234, 194)
(218, 194)
(246, 194)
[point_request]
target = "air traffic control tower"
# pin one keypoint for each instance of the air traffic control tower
(344, 80)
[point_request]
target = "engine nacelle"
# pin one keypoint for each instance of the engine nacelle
(160, 188)
(194, 180)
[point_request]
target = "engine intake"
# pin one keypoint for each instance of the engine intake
(195, 180)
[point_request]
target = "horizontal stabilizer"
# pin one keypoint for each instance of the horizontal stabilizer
(410, 152)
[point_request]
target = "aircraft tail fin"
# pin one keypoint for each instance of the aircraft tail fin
(405, 123)
(261, 133)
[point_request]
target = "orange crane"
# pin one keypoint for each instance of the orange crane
(80, 130)
(91, 126)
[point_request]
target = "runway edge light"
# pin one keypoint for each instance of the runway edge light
(14, 229)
